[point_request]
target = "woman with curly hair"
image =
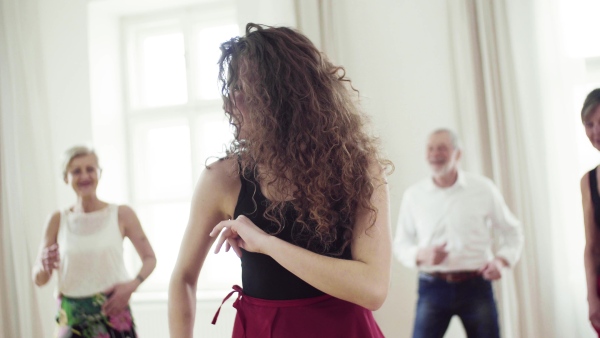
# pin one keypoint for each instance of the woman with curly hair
(301, 198)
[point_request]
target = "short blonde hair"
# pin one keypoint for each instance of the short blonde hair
(74, 152)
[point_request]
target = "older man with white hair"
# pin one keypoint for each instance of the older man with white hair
(446, 229)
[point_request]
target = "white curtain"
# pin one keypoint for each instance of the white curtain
(25, 175)
(315, 19)
(503, 144)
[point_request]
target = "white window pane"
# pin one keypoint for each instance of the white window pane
(221, 270)
(162, 161)
(208, 41)
(163, 78)
(164, 225)
(580, 27)
(213, 136)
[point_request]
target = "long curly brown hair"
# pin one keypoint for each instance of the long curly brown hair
(306, 135)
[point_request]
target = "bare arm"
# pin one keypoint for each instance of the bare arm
(48, 258)
(134, 231)
(364, 280)
(214, 200)
(590, 255)
(119, 294)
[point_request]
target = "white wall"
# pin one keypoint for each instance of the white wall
(398, 55)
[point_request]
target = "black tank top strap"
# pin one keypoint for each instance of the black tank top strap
(595, 195)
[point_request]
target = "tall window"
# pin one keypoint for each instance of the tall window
(174, 123)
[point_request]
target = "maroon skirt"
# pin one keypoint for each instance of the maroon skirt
(323, 316)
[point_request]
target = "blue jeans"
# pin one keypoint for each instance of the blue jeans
(472, 301)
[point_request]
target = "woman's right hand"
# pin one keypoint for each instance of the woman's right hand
(594, 312)
(50, 258)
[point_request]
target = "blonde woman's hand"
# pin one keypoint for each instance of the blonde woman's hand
(240, 233)
(118, 298)
(50, 258)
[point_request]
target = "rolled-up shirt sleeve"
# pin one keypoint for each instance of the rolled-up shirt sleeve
(405, 241)
(511, 239)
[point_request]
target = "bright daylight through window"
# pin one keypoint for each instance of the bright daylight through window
(174, 123)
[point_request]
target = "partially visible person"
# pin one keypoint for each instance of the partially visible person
(447, 226)
(590, 116)
(84, 245)
(302, 198)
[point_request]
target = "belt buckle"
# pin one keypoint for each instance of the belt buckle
(452, 278)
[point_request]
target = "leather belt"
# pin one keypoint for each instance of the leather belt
(455, 276)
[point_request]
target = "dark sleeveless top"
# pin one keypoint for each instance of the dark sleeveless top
(262, 276)
(595, 196)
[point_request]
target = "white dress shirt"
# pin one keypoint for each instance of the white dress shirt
(470, 216)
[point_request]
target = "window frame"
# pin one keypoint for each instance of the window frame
(132, 31)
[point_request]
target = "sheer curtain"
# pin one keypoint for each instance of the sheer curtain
(24, 163)
(505, 146)
(314, 19)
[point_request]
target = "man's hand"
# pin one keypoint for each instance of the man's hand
(493, 270)
(432, 255)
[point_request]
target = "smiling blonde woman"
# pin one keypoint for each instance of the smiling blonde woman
(84, 244)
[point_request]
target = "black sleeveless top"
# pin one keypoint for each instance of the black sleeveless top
(595, 196)
(262, 276)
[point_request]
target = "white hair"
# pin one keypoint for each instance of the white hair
(456, 143)
(73, 152)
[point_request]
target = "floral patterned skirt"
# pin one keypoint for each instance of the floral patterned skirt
(82, 317)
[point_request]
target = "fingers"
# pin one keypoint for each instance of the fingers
(235, 245)
(112, 307)
(225, 235)
(483, 268)
(490, 272)
(115, 301)
(228, 236)
(107, 306)
(51, 258)
(222, 225)
(440, 247)
(108, 292)
(220, 241)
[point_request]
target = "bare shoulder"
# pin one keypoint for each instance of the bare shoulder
(585, 182)
(52, 226)
(223, 172)
(54, 218)
(219, 186)
(126, 213)
(220, 177)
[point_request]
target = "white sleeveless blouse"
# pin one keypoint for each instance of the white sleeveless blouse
(91, 252)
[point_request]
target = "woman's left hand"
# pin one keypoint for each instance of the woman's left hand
(239, 233)
(117, 298)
